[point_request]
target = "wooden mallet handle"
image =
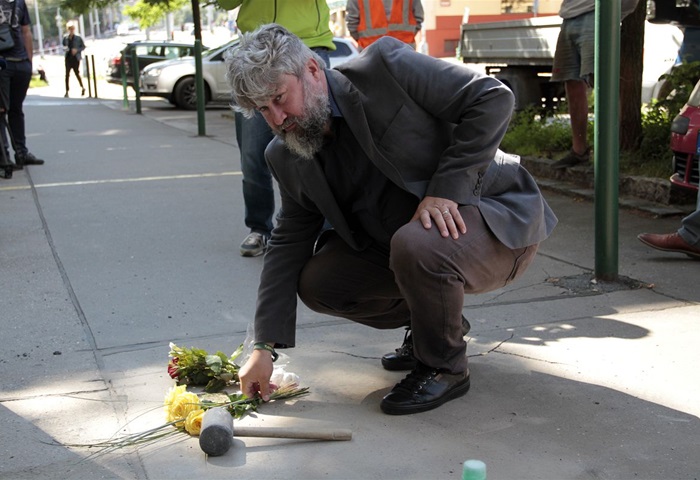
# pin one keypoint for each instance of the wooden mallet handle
(294, 432)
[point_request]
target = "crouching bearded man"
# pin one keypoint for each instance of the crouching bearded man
(396, 202)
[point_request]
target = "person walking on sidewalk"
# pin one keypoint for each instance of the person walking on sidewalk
(309, 19)
(574, 62)
(74, 46)
(685, 240)
(398, 152)
(15, 78)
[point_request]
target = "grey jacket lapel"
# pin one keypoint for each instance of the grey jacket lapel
(350, 104)
(315, 184)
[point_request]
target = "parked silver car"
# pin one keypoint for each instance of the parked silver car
(148, 52)
(174, 79)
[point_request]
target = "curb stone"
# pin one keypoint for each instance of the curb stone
(655, 196)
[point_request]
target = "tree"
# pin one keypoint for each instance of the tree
(150, 13)
(83, 6)
(631, 67)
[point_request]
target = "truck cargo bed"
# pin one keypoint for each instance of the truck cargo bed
(530, 41)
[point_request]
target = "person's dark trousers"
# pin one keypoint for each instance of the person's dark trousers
(252, 136)
(421, 283)
(15, 79)
(73, 65)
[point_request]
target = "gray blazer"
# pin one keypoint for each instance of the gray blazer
(433, 128)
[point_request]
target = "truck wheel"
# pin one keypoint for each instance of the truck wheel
(526, 90)
(185, 94)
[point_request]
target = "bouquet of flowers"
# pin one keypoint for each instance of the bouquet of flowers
(185, 409)
(193, 366)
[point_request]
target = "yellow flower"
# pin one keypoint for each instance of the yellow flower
(171, 394)
(193, 422)
(179, 403)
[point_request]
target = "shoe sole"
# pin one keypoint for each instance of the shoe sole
(457, 392)
(251, 253)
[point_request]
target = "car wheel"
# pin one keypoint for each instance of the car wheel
(186, 94)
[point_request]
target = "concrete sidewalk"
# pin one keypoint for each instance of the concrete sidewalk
(127, 239)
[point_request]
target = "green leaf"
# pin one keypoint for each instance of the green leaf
(214, 362)
(215, 385)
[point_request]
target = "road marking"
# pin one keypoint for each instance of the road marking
(120, 180)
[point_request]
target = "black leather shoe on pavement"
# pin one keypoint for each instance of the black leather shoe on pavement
(423, 389)
(28, 159)
(402, 358)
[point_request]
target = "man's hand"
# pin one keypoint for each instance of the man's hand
(444, 213)
(255, 374)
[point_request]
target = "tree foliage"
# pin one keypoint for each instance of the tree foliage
(149, 13)
(83, 6)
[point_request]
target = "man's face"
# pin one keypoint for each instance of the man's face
(299, 113)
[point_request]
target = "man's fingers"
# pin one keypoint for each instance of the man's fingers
(265, 391)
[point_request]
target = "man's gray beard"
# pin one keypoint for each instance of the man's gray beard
(306, 140)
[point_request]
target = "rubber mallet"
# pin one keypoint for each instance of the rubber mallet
(216, 436)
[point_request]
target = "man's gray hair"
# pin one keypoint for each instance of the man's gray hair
(255, 67)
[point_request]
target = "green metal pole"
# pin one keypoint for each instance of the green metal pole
(125, 85)
(199, 85)
(94, 74)
(607, 142)
(88, 78)
(135, 74)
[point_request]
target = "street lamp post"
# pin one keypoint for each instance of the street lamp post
(39, 36)
(59, 23)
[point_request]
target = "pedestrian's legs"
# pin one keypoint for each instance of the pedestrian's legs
(253, 135)
(577, 98)
(574, 64)
(4, 101)
(433, 274)
(690, 226)
(21, 75)
(73, 64)
(68, 69)
(76, 69)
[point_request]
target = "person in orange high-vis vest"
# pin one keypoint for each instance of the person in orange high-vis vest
(369, 20)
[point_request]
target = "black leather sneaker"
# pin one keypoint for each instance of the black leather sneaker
(402, 358)
(27, 159)
(423, 389)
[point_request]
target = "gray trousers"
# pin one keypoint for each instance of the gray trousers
(690, 226)
(421, 283)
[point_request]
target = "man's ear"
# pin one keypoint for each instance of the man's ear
(314, 68)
